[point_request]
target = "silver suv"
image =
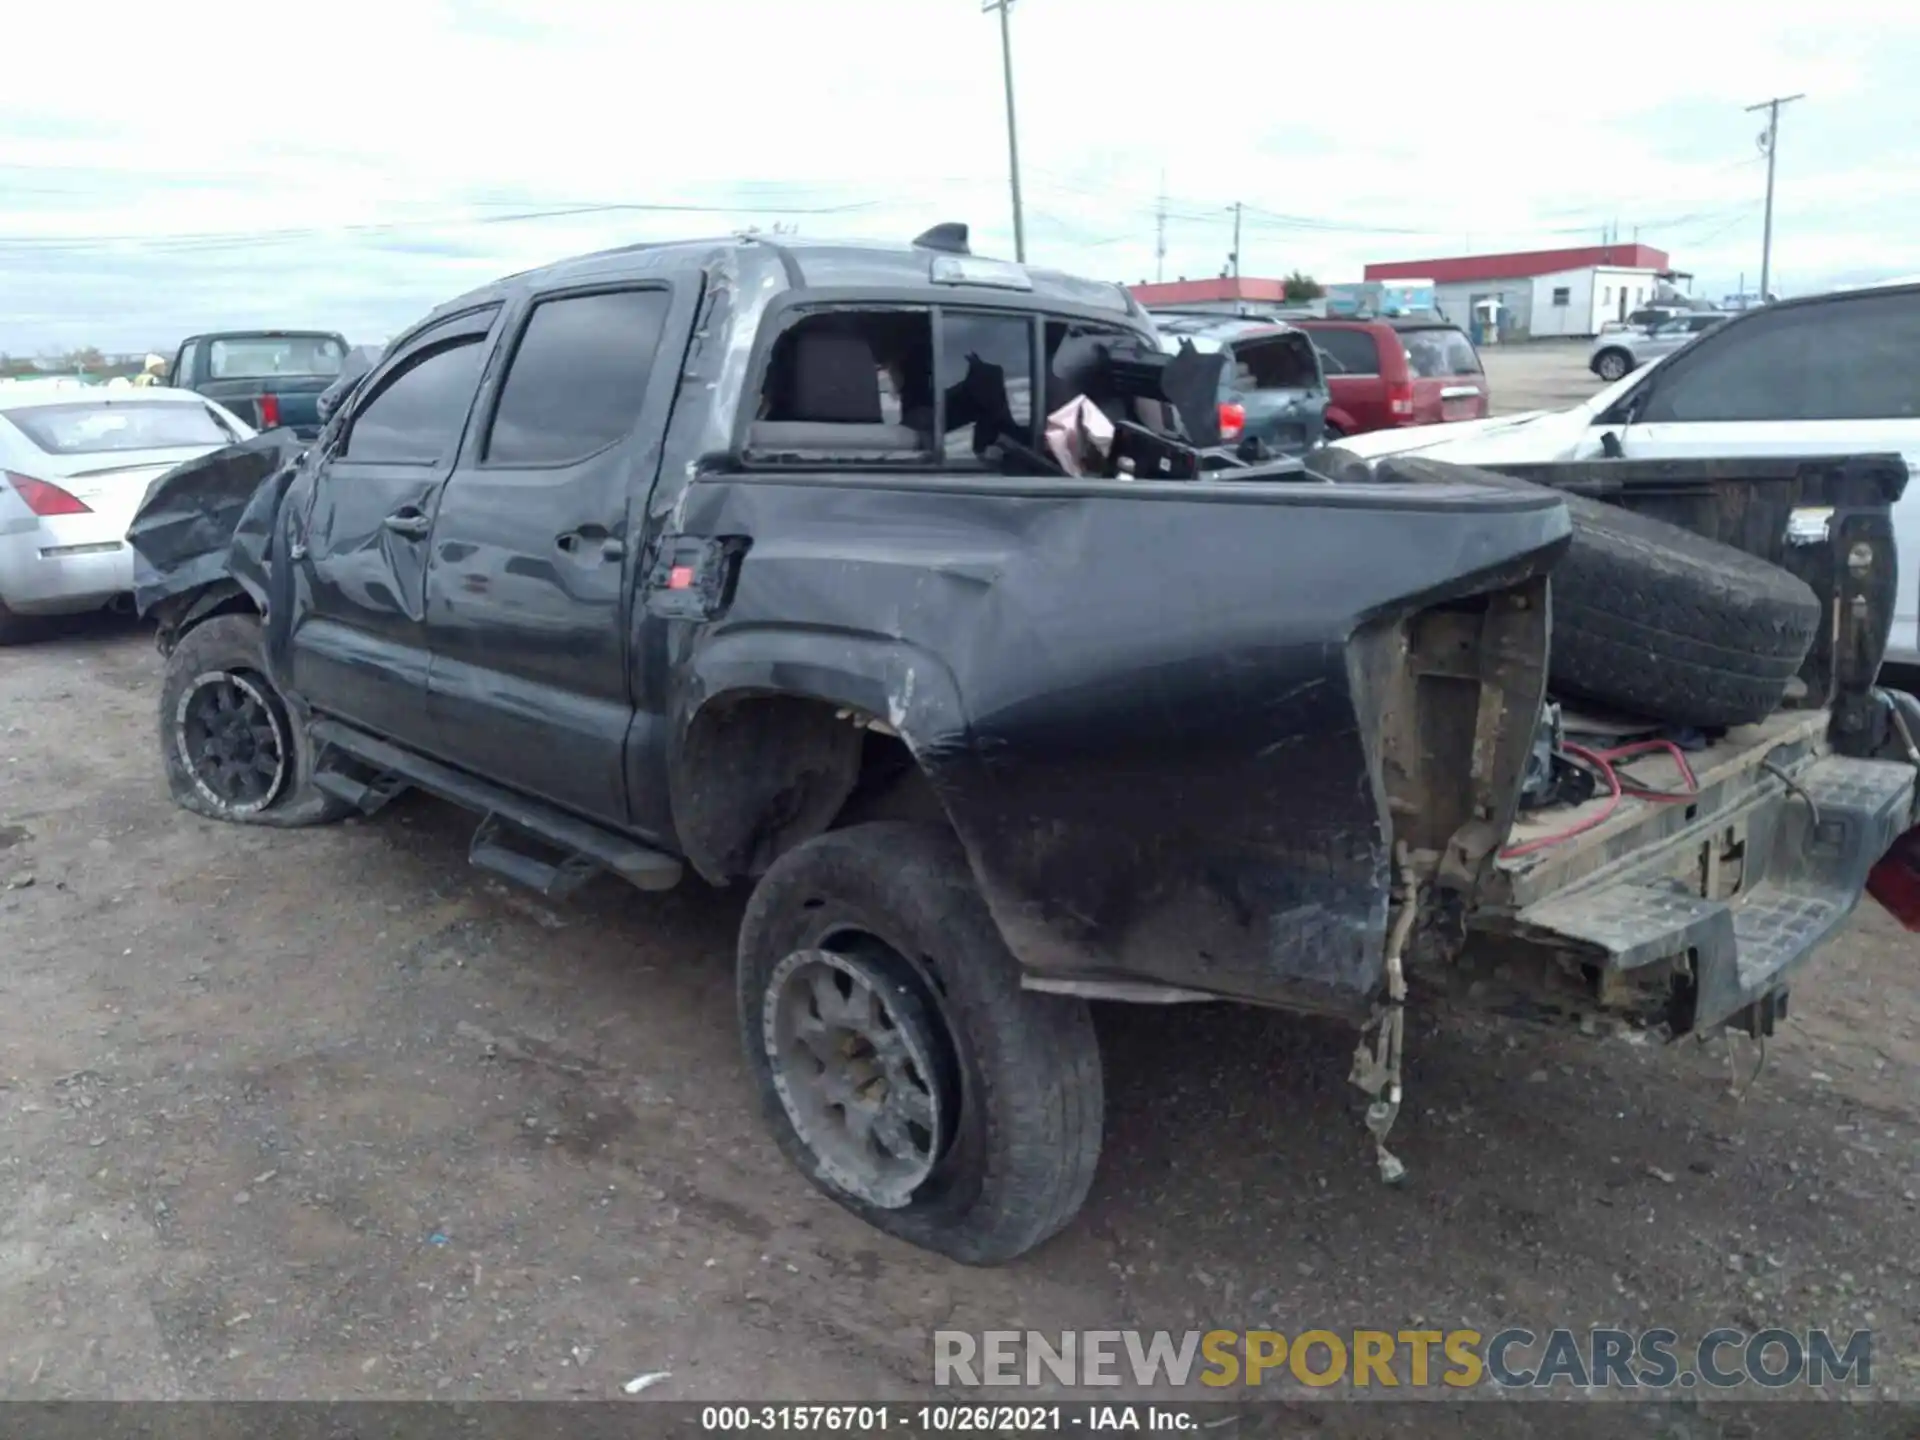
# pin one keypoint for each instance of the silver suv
(1619, 351)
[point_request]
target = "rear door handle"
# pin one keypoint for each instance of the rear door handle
(410, 523)
(581, 542)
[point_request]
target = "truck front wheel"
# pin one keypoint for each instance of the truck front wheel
(229, 742)
(902, 1068)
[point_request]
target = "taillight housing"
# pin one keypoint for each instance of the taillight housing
(1233, 420)
(269, 411)
(44, 499)
(1400, 399)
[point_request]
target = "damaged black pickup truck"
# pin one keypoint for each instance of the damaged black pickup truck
(767, 561)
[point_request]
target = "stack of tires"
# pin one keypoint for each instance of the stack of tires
(1655, 621)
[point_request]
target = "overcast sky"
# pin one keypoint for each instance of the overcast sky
(176, 165)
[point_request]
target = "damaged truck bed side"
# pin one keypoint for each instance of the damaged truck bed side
(750, 558)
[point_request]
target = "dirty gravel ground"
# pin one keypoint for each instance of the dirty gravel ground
(328, 1114)
(1538, 375)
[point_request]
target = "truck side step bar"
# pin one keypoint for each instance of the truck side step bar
(501, 846)
(365, 795)
(514, 827)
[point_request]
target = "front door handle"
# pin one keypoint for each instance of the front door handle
(410, 523)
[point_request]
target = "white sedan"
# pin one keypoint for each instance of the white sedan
(75, 463)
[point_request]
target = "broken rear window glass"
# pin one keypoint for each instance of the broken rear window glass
(1284, 362)
(856, 383)
(986, 367)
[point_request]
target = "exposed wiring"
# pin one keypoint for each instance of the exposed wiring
(1735, 1088)
(1378, 1071)
(1605, 763)
(1794, 787)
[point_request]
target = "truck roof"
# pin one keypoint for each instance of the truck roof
(796, 264)
(262, 335)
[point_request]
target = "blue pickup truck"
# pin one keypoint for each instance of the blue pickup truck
(268, 377)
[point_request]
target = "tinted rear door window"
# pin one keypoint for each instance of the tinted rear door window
(418, 415)
(577, 378)
(1346, 352)
(1842, 360)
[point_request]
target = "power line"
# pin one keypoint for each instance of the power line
(192, 241)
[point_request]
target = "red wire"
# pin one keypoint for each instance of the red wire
(1602, 761)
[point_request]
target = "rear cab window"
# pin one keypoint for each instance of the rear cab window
(950, 386)
(262, 357)
(1439, 353)
(102, 427)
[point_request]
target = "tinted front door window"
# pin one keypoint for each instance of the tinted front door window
(416, 417)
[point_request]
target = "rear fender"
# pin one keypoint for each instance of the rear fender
(1158, 717)
(767, 736)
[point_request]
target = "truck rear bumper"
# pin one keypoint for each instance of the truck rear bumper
(1803, 854)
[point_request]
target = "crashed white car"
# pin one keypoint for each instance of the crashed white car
(1835, 374)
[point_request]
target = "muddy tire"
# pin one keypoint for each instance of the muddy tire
(228, 739)
(976, 1106)
(1656, 621)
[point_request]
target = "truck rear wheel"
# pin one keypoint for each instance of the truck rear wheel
(901, 1067)
(228, 738)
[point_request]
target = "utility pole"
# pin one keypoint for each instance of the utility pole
(1768, 142)
(1013, 134)
(1235, 257)
(1160, 233)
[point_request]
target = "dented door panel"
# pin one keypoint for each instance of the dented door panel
(356, 636)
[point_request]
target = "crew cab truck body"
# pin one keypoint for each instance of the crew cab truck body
(270, 378)
(734, 557)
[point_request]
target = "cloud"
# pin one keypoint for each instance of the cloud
(168, 168)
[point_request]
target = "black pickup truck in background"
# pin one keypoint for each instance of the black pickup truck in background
(268, 377)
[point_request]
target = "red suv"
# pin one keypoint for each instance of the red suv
(1387, 373)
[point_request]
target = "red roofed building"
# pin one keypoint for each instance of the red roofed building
(1225, 294)
(1538, 292)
